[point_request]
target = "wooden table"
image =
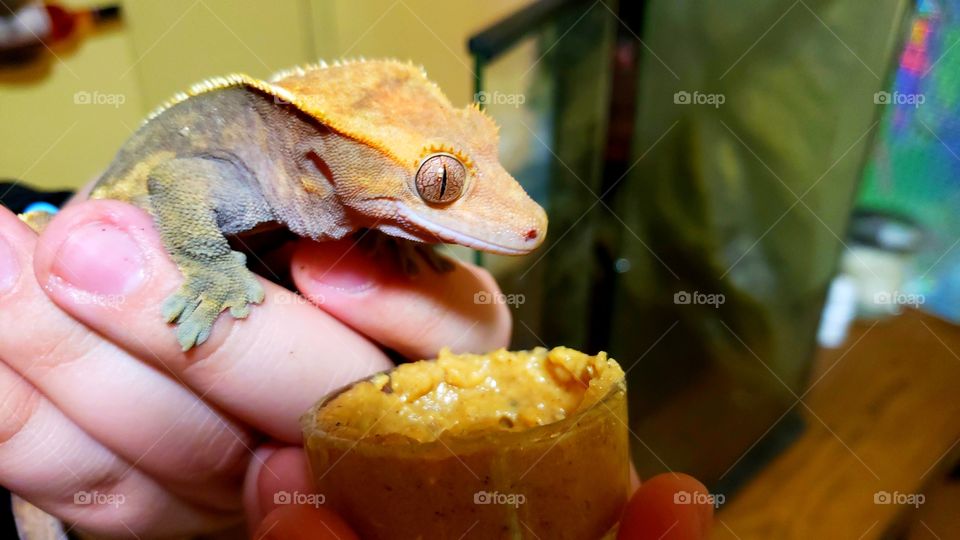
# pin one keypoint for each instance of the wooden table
(883, 416)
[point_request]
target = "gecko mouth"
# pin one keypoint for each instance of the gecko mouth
(451, 236)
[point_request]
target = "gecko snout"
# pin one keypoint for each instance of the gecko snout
(533, 235)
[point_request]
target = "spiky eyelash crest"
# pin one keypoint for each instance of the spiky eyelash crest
(445, 149)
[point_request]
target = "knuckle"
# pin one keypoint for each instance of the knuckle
(119, 514)
(77, 503)
(225, 453)
(211, 360)
(109, 481)
(18, 402)
(36, 336)
(46, 352)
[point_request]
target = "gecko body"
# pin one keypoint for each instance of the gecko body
(324, 151)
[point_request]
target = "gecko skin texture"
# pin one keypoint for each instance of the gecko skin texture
(325, 151)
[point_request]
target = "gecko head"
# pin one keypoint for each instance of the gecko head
(437, 176)
(463, 195)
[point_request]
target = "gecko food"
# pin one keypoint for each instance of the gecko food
(517, 444)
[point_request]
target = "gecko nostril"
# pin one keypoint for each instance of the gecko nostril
(531, 234)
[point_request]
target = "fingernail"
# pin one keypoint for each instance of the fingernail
(9, 267)
(343, 267)
(100, 258)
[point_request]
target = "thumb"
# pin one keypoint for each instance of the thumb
(278, 485)
(296, 522)
(669, 506)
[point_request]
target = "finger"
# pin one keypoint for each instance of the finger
(414, 315)
(667, 507)
(304, 523)
(266, 369)
(634, 478)
(281, 490)
(52, 463)
(279, 477)
(83, 193)
(137, 412)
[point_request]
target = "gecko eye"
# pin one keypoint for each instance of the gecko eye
(440, 179)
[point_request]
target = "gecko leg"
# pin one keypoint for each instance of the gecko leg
(215, 277)
(407, 253)
(436, 260)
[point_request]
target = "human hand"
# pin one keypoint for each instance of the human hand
(651, 513)
(108, 425)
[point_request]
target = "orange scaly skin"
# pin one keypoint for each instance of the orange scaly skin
(324, 151)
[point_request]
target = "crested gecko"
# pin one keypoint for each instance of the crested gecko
(325, 151)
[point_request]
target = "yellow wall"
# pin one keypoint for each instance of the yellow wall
(51, 138)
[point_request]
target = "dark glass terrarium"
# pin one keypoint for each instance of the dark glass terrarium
(698, 162)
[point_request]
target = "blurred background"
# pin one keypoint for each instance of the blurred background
(753, 207)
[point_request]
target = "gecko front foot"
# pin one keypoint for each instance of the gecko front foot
(208, 290)
(407, 253)
(436, 260)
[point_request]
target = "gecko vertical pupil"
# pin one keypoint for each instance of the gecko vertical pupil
(441, 179)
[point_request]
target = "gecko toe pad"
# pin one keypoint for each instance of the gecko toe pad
(207, 292)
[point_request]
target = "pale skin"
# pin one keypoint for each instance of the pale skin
(98, 397)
